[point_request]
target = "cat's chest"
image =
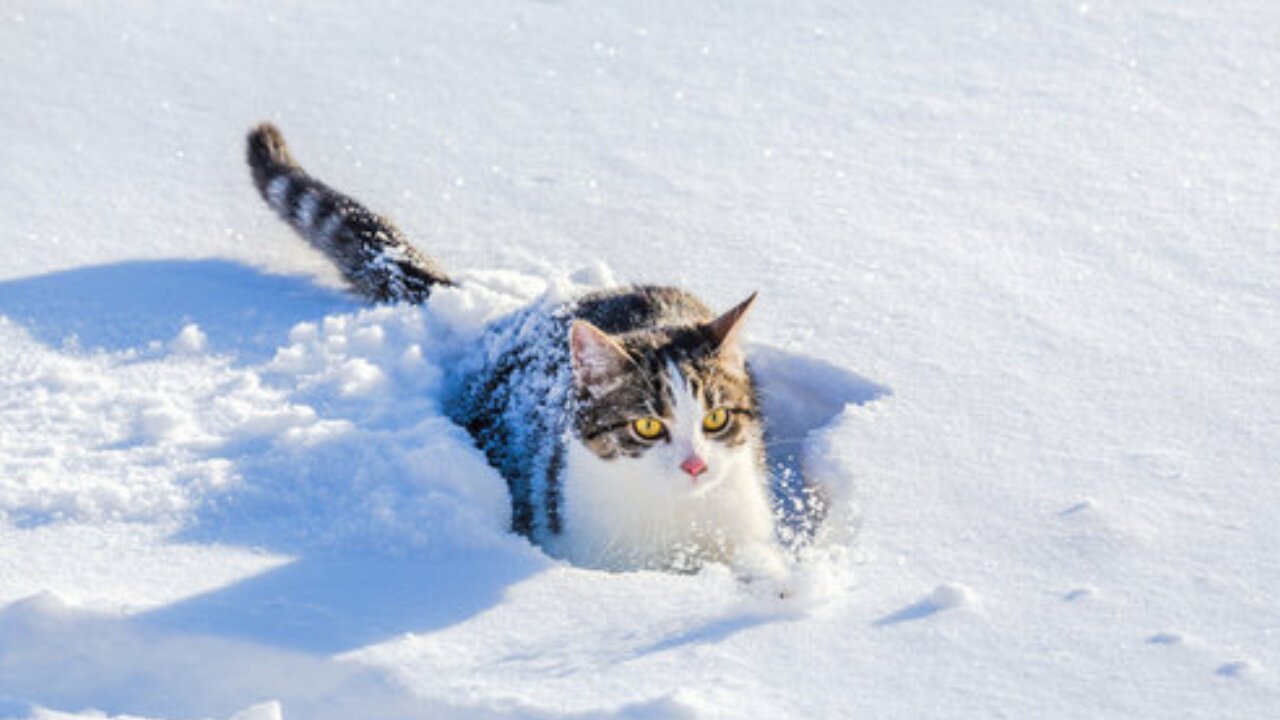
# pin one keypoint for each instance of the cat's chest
(636, 513)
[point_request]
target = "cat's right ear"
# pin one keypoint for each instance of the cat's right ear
(597, 357)
(724, 329)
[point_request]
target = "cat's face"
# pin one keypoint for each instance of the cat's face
(676, 405)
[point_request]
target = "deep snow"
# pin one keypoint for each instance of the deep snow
(1017, 266)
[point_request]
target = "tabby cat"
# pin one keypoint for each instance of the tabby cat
(625, 422)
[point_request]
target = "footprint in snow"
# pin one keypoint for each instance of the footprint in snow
(1233, 669)
(1083, 506)
(1165, 638)
(1237, 669)
(1081, 593)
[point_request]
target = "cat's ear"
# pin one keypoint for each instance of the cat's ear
(597, 358)
(724, 329)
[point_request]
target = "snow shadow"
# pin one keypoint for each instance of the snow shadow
(66, 659)
(69, 659)
(711, 632)
(915, 611)
(943, 598)
(801, 396)
(129, 305)
(332, 603)
(800, 393)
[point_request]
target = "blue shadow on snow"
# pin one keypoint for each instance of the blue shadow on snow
(128, 305)
(801, 396)
(711, 633)
(333, 603)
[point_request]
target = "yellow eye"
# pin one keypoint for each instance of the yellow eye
(649, 428)
(715, 420)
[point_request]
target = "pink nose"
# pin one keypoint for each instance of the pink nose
(694, 466)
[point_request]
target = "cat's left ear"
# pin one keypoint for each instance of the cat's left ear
(724, 329)
(597, 358)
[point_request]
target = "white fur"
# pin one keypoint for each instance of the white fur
(630, 513)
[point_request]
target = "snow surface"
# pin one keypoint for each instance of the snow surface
(1018, 269)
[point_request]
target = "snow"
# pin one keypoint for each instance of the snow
(1017, 269)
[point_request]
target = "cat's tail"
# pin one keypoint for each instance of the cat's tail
(373, 255)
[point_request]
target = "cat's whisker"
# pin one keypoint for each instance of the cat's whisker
(774, 442)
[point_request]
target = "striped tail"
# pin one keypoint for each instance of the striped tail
(373, 255)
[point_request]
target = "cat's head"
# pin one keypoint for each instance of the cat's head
(678, 402)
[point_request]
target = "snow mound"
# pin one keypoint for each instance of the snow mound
(338, 439)
(350, 516)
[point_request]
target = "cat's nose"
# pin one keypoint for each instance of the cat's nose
(693, 465)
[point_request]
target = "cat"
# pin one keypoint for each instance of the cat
(626, 422)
